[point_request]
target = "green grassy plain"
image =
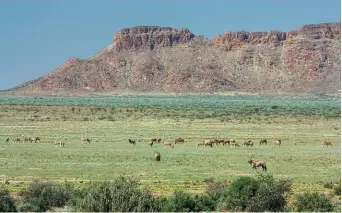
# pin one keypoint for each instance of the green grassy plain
(301, 123)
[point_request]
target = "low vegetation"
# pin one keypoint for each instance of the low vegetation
(255, 194)
(192, 178)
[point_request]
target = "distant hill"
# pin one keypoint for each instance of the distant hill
(163, 59)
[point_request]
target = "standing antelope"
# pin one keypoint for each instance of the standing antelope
(131, 141)
(258, 163)
(157, 156)
(326, 143)
(278, 142)
(84, 139)
(168, 144)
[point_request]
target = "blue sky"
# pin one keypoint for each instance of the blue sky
(36, 37)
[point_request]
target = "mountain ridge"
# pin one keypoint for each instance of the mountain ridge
(164, 59)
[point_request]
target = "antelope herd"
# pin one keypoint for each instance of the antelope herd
(204, 143)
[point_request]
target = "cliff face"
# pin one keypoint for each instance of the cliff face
(150, 58)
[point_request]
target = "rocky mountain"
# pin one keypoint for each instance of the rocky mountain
(163, 59)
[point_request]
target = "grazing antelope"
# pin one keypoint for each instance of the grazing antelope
(179, 140)
(159, 140)
(157, 156)
(59, 143)
(83, 139)
(263, 141)
(226, 142)
(219, 141)
(209, 142)
(258, 163)
(248, 143)
(232, 143)
(200, 144)
(131, 141)
(154, 140)
(16, 140)
(326, 143)
(27, 139)
(168, 144)
(278, 142)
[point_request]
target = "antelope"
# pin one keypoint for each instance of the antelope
(258, 163)
(131, 141)
(326, 143)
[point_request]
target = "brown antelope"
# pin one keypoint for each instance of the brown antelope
(16, 140)
(168, 144)
(258, 163)
(219, 141)
(200, 144)
(209, 142)
(232, 143)
(27, 139)
(7, 140)
(84, 139)
(278, 142)
(248, 143)
(263, 141)
(150, 143)
(159, 140)
(59, 143)
(154, 140)
(157, 156)
(131, 141)
(226, 142)
(179, 140)
(326, 143)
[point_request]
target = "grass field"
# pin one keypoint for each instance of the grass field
(301, 123)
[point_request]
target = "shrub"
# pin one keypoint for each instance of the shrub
(337, 189)
(255, 195)
(313, 202)
(239, 193)
(44, 195)
(7, 203)
(120, 195)
(184, 202)
(28, 207)
(270, 196)
(215, 189)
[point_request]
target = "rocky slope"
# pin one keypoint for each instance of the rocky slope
(163, 59)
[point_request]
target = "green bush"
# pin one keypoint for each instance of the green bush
(120, 195)
(44, 195)
(255, 195)
(215, 189)
(7, 203)
(184, 202)
(270, 196)
(238, 194)
(337, 189)
(312, 202)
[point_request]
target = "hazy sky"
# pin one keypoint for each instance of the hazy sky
(36, 37)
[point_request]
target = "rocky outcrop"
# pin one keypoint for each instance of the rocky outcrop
(150, 37)
(150, 58)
